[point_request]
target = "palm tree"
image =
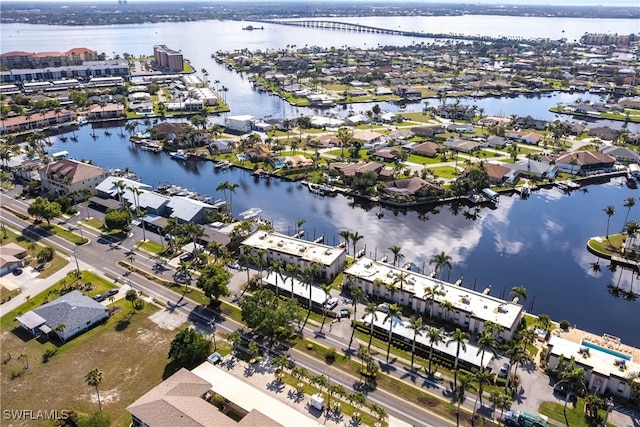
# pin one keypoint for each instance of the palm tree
(326, 288)
(459, 390)
(232, 191)
(356, 295)
(609, 211)
(459, 338)
(514, 352)
(629, 202)
(293, 271)
(519, 357)
(344, 135)
(131, 296)
(487, 342)
(371, 310)
(121, 187)
(402, 279)
(483, 377)
(446, 306)
(392, 312)
(346, 235)
(441, 261)
(418, 327)
(397, 256)
(519, 291)
(434, 336)
(93, 379)
(431, 292)
(574, 379)
(276, 268)
(309, 273)
(355, 238)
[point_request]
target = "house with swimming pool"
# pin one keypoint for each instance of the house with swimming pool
(606, 365)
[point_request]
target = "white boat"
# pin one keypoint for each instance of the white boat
(250, 213)
(525, 190)
(223, 164)
(179, 155)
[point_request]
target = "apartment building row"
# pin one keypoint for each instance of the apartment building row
(21, 59)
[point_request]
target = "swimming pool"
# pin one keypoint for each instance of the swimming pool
(605, 350)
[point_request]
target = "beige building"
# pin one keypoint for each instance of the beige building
(168, 58)
(67, 175)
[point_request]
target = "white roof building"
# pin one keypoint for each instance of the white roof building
(289, 250)
(471, 309)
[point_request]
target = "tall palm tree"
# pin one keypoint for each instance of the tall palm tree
(232, 190)
(93, 379)
(460, 339)
(346, 235)
(483, 377)
(431, 292)
(120, 185)
(441, 261)
(355, 238)
(487, 342)
(401, 278)
(397, 256)
(356, 295)
(515, 351)
(294, 272)
(309, 273)
(326, 288)
(418, 327)
(466, 383)
(276, 268)
(344, 135)
(434, 336)
(574, 379)
(629, 202)
(392, 312)
(446, 306)
(371, 310)
(609, 211)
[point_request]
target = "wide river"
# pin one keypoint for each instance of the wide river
(538, 243)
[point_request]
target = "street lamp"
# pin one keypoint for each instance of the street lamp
(75, 255)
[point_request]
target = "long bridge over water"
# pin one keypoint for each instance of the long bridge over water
(345, 26)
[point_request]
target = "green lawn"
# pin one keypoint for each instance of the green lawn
(422, 160)
(448, 172)
(575, 414)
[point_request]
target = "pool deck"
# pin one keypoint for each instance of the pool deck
(578, 335)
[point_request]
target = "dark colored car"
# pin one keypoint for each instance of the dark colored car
(561, 391)
(100, 297)
(111, 292)
(17, 271)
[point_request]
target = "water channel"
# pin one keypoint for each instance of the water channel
(538, 243)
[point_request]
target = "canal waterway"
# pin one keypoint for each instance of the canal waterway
(538, 243)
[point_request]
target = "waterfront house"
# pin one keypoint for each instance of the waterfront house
(412, 187)
(239, 124)
(621, 154)
(605, 369)
(585, 162)
(68, 315)
(605, 133)
(36, 120)
(106, 111)
(534, 169)
(289, 250)
(11, 257)
(348, 170)
(367, 137)
(498, 174)
(68, 175)
(471, 309)
(169, 131)
(186, 209)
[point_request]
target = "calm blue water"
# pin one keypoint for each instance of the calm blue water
(538, 243)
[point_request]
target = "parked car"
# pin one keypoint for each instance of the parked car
(504, 370)
(100, 297)
(111, 292)
(331, 303)
(561, 391)
(17, 271)
(186, 257)
(234, 265)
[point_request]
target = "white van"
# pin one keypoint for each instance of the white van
(331, 303)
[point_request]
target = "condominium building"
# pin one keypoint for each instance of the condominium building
(465, 307)
(289, 250)
(170, 59)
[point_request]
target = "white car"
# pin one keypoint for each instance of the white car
(234, 265)
(331, 303)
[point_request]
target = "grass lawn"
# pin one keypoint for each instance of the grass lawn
(448, 172)
(608, 245)
(59, 384)
(575, 414)
(422, 160)
(94, 222)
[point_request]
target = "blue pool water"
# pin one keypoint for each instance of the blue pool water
(605, 350)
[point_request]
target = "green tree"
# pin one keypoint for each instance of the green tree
(371, 310)
(629, 203)
(459, 338)
(189, 348)
(44, 209)
(434, 336)
(393, 312)
(345, 136)
(609, 211)
(269, 315)
(214, 281)
(117, 219)
(93, 379)
(45, 254)
(459, 390)
(356, 295)
(132, 297)
(441, 260)
(574, 379)
(519, 291)
(355, 238)
(415, 323)
(431, 292)
(487, 342)
(397, 255)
